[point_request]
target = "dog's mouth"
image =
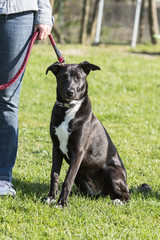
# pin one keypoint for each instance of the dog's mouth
(74, 97)
(68, 100)
(71, 99)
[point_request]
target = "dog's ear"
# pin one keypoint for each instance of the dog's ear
(54, 68)
(87, 67)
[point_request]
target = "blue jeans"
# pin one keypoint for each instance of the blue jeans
(15, 33)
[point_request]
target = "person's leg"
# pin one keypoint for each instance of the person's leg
(15, 33)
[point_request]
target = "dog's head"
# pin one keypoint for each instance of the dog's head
(71, 79)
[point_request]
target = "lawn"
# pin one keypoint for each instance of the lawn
(125, 96)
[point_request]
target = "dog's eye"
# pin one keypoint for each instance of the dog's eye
(77, 78)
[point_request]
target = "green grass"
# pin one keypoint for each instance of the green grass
(125, 96)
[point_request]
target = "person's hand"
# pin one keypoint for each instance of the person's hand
(44, 31)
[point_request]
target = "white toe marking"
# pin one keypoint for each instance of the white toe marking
(117, 202)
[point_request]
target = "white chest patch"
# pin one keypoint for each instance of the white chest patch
(62, 131)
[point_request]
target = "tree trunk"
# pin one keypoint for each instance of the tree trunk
(85, 19)
(153, 20)
(89, 19)
(93, 22)
(58, 34)
(56, 8)
(142, 22)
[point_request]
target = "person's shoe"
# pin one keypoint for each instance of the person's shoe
(6, 189)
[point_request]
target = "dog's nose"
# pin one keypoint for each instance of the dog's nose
(70, 93)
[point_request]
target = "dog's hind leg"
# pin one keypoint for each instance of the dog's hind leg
(114, 183)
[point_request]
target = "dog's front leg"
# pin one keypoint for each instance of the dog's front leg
(56, 167)
(76, 159)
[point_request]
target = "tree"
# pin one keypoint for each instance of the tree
(56, 9)
(142, 22)
(85, 17)
(88, 23)
(153, 20)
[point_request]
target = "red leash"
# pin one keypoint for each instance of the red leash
(32, 40)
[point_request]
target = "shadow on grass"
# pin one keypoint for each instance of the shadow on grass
(39, 190)
(31, 188)
(111, 43)
(146, 53)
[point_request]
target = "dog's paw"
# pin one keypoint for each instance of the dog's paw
(49, 200)
(62, 203)
(117, 202)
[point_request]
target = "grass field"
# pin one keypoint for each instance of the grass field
(125, 96)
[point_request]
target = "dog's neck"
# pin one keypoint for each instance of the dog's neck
(70, 104)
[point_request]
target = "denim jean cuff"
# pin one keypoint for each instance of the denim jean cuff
(4, 178)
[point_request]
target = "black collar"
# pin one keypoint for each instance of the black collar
(65, 105)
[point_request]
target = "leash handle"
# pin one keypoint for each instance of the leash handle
(32, 40)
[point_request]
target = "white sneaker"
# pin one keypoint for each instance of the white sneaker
(6, 188)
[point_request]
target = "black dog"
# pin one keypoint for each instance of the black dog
(79, 137)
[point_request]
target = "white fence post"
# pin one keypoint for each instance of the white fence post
(99, 21)
(136, 23)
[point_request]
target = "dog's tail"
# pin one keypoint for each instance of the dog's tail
(143, 188)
